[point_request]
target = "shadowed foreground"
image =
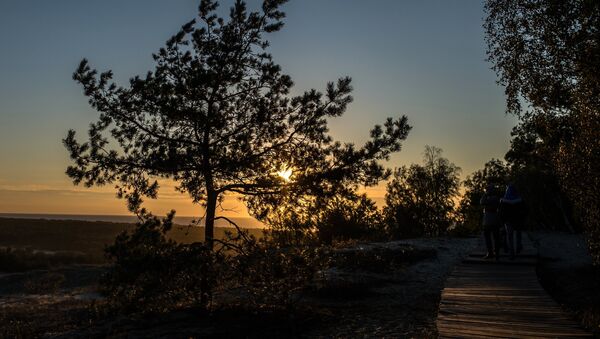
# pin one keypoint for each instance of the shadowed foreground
(501, 299)
(363, 296)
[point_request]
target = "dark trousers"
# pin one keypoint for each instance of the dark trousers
(489, 233)
(511, 233)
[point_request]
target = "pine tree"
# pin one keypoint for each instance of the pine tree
(216, 116)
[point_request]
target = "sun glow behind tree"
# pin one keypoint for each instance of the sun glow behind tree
(286, 174)
(216, 116)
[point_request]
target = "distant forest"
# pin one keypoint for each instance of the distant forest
(87, 238)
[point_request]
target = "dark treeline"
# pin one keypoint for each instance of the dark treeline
(85, 241)
(547, 56)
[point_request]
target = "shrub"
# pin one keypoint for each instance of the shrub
(274, 273)
(354, 217)
(152, 273)
(379, 259)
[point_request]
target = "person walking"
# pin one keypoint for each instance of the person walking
(512, 211)
(491, 222)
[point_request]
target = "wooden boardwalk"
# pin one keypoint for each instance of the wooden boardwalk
(489, 299)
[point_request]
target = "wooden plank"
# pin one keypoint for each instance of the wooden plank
(490, 299)
(510, 318)
(501, 312)
(508, 328)
(461, 331)
(511, 321)
(512, 305)
(504, 256)
(516, 261)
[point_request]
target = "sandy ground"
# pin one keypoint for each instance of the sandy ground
(46, 302)
(399, 303)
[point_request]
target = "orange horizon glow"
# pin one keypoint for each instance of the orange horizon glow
(437, 77)
(76, 200)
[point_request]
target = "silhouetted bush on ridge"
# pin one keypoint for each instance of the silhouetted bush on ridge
(151, 273)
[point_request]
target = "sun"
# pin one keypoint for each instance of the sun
(285, 174)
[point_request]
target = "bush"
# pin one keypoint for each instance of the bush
(274, 273)
(152, 273)
(379, 259)
(356, 217)
(401, 222)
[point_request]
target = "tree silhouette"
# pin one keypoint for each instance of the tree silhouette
(545, 52)
(216, 116)
(534, 147)
(420, 198)
(548, 53)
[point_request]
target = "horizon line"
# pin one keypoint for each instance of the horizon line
(106, 215)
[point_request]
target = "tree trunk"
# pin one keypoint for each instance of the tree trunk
(209, 223)
(209, 233)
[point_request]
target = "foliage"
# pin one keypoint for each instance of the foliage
(274, 273)
(326, 219)
(578, 164)
(532, 158)
(529, 166)
(470, 213)
(152, 273)
(420, 198)
(545, 52)
(548, 53)
(216, 116)
(356, 217)
(380, 259)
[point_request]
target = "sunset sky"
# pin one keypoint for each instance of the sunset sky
(424, 59)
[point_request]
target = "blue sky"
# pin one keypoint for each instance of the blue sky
(424, 59)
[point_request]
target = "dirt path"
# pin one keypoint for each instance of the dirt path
(404, 305)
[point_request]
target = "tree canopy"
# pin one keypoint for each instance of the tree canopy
(216, 116)
(420, 198)
(546, 52)
(547, 55)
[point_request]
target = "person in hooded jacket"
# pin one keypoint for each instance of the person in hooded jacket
(512, 211)
(491, 222)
